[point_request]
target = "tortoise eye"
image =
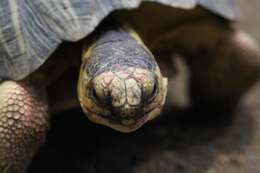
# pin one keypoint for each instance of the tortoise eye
(154, 92)
(94, 96)
(99, 96)
(150, 92)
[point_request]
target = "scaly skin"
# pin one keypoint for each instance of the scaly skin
(23, 124)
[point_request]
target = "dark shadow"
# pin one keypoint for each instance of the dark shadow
(179, 142)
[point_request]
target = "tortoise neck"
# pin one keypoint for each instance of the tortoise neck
(115, 45)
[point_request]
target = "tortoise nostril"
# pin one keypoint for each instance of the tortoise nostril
(127, 111)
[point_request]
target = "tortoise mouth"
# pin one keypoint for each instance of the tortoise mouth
(122, 124)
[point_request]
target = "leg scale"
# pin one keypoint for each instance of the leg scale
(23, 124)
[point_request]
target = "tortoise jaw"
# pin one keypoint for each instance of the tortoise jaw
(126, 124)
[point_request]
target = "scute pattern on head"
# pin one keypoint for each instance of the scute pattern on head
(30, 30)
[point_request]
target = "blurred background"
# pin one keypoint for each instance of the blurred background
(190, 141)
(250, 17)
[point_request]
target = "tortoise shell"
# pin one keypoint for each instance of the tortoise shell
(31, 30)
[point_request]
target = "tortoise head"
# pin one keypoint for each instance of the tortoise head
(120, 84)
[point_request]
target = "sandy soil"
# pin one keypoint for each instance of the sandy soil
(179, 142)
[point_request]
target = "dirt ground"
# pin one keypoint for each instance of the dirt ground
(178, 142)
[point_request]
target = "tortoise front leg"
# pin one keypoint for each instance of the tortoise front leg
(221, 74)
(23, 124)
(224, 61)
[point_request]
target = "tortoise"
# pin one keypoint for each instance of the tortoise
(115, 47)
